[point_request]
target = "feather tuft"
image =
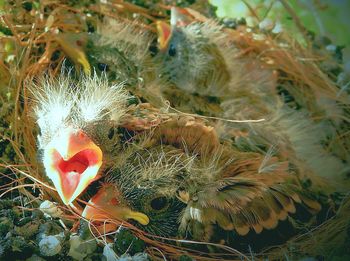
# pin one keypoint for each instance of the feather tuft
(59, 103)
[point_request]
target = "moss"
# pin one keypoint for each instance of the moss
(5, 30)
(126, 242)
(50, 228)
(28, 6)
(11, 214)
(84, 230)
(23, 221)
(16, 247)
(185, 258)
(5, 203)
(5, 226)
(28, 230)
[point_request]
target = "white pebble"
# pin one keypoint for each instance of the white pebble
(79, 248)
(50, 209)
(109, 253)
(49, 246)
(278, 28)
(266, 24)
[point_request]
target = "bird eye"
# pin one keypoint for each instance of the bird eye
(153, 49)
(111, 133)
(172, 50)
(103, 67)
(159, 203)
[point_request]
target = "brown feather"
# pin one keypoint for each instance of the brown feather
(314, 205)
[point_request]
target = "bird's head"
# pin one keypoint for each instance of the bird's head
(76, 125)
(144, 190)
(192, 54)
(179, 18)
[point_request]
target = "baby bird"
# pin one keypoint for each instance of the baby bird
(191, 57)
(76, 123)
(173, 193)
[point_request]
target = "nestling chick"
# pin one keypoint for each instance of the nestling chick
(174, 194)
(190, 55)
(144, 189)
(77, 122)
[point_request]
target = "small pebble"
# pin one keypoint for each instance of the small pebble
(278, 28)
(50, 246)
(50, 209)
(79, 248)
(259, 37)
(331, 48)
(109, 253)
(266, 24)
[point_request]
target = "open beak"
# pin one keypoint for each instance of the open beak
(106, 205)
(180, 17)
(164, 35)
(72, 161)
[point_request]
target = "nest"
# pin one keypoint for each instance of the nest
(39, 38)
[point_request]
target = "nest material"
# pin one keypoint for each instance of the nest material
(29, 35)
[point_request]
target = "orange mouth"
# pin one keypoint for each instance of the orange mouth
(106, 205)
(72, 161)
(164, 35)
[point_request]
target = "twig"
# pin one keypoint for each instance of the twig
(251, 9)
(296, 19)
(213, 118)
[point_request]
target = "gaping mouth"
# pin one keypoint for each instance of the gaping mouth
(72, 162)
(164, 35)
(78, 163)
